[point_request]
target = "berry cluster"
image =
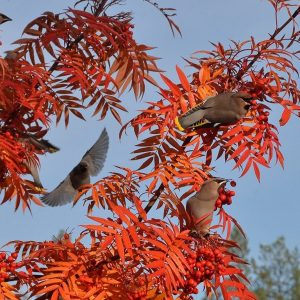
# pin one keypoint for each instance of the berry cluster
(263, 116)
(225, 197)
(205, 264)
(8, 265)
(140, 293)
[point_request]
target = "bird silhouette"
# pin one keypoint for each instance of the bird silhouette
(31, 165)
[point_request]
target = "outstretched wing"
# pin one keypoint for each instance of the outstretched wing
(61, 195)
(95, 157)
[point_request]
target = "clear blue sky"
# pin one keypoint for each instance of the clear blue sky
(265, 210)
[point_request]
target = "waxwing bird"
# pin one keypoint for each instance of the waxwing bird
(203, 203)
(223, 109)
(33, 170)
(39, 144)
(4, 18)
(90, 165)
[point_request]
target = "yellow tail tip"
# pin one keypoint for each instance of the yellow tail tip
(178, 124)
(41, 190)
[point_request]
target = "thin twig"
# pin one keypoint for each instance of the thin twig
(276, 32)
(238, 77)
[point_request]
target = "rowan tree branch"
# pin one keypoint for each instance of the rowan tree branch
(272, 37)
(161, 188)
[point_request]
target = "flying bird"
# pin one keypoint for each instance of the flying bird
(4, 18)
(223, 109)
(32, 166)
(90, 165)
(200, 207)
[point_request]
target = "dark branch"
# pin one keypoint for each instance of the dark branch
(276, 32)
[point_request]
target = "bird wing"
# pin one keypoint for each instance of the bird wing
(33, 169)
(95, 157)
(61, 195)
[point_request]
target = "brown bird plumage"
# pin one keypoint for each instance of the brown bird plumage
(202, 204)
(90, 165)
(223, 109)
(41, 145)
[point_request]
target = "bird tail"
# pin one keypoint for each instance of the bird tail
(177, 122)
(50, 147)
(192, 118)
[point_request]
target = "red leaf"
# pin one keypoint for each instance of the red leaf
(183, 79)
(285, 117)
(173, 87)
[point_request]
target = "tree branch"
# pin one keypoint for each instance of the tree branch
(276, 32)
(161, 187)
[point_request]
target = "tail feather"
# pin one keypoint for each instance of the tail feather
(177, 122)
(50, 147)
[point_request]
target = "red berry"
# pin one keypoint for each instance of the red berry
(192, 282)
(198, 274)
(233, 183)
(10, 259)
(262, 127)
(14, 255)
(219, 203)
(222, 197)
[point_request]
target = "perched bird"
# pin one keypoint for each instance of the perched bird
(41, 145)
(4, 18)
(90, 165)
(223, 109)
(200, 207)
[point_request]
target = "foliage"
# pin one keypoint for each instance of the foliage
(96, 59)
(277, 272)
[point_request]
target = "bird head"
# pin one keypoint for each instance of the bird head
(81, 168)
(220, 181)
(83, 165)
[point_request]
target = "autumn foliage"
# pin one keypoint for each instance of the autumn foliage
(95, 59)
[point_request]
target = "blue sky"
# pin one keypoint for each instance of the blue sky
(265, 210)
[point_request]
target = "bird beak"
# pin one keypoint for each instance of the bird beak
(222, 183)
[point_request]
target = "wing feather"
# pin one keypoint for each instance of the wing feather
(96, 155)
(61, 195)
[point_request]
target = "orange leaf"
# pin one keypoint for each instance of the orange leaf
(285, 117)
(204, 74)
(120, 247)
(183, 79)
(173, 87)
